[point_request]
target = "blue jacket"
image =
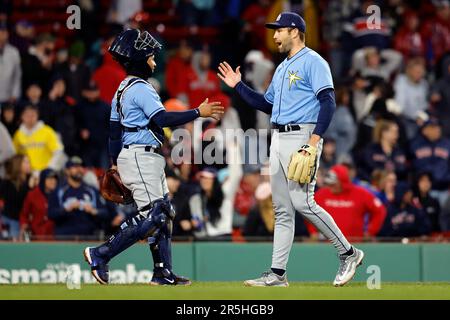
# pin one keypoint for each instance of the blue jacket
(374, 158)
(76, 222)
(432, 157)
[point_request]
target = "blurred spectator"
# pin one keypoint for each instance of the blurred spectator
(411, 93)
(75, 72)
(196, 12)
(349, 205)
(34, 219)
(33, 95)
(436, 31)
(177, 70)
(121, 11)
(384, 153)
(23, 36)
(76, 208)
(430, 152)
(205, 205)
(9, 118)
(408, 40)
(335, 13)
(38, 141)
(440, 97)
(429, 204)
(404, 217)
(93, 120)
(261, 219)
(370, 62)
(387, 186)
(245, 196)
(182, 225)
(37, 63)
(213, 206)
(254, 18)
(202, 80)
(108, 76)
(342, 128)
(13, 191)
(60, 115)
(6, 149)
(328, 158)
(11, 73)
(359, 32)
(258, 71)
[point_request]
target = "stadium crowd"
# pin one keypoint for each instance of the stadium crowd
(384, 171)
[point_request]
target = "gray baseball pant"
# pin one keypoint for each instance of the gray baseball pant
(288, 196)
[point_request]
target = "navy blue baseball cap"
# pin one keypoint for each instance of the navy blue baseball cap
(288, 20)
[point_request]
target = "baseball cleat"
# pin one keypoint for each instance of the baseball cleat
(168, 278)
(347, 267)
(99, 268)
(268, 279)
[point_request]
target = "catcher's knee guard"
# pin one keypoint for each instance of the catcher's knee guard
(134, 229)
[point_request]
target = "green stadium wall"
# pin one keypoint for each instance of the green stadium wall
(223, 261)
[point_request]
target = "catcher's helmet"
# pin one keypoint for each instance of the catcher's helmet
(133, 45)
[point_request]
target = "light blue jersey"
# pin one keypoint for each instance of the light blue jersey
(139, 102)
(295, 85)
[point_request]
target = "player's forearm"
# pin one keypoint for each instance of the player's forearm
(174, 119)
(254, 99)
(327, 107)
(115, 140)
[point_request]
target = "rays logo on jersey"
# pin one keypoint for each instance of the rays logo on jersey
(293, 78)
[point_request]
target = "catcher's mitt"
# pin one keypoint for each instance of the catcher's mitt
(112, 188)
(302, 167)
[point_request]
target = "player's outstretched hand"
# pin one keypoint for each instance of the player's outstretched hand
(227, 75)
(210, 109)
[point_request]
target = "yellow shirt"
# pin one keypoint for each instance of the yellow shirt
(39, 144)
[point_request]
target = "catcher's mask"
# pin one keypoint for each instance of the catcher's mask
(133, 45)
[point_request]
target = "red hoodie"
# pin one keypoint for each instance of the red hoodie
(34, 213)
(108, 78)
(349, 207)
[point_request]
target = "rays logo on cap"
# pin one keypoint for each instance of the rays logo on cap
(292, 24)
(279, 17)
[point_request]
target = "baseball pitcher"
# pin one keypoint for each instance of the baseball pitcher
(301, 102)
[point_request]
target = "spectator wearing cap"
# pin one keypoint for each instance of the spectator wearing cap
(405, 217)
(431, 153)
(349, 205)
(23, 36)
(76, 208)
(38, 141)
(213, 207)
(75, 72)
(92, 116)
(37, 63)
(245, 196)
(34, 214)
(11, 72)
